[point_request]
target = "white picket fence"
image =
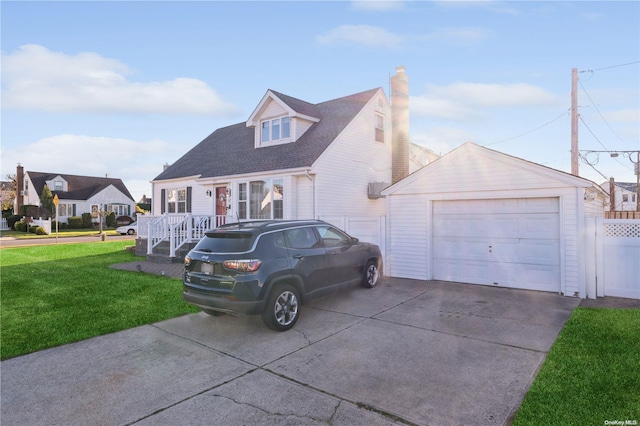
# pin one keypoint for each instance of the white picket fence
(3, 225)
(612, 249)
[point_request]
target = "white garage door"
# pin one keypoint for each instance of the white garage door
(510, 242)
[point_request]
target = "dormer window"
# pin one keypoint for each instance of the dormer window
(57, 185)
(275, 130)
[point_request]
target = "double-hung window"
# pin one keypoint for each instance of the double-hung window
(379, 124)
(276, 129)
(261, 199)
(177, 200)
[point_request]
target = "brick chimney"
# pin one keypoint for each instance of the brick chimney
(400, 125)
(19, 188)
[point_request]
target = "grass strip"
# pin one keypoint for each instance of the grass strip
(57, 294)
(591, 374)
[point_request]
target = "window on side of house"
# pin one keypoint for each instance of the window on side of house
(118, 209)
(379, 124)
(625, 198)
(277, 129)
(57, 185)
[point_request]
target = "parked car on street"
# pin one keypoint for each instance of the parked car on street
(129, 229)
(272, 268)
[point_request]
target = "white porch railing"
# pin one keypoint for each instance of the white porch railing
(177, 229)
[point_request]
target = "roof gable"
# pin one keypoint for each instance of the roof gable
(231, 151)
(292, 106)
(476, 168)
(78, 187)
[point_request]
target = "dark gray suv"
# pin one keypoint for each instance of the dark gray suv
(273, 267)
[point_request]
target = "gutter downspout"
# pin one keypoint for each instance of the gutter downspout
(313, 192)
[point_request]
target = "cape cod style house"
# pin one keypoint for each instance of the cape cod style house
(290, 159)
(76, 194)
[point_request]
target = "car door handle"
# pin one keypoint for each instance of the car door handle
(298, 256)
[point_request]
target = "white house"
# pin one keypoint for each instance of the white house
(290, 160)
(483, 217)
(76, 194)
(623, 197)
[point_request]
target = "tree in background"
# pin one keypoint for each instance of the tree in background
(46, 200)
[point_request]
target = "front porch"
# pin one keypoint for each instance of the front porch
(168, 238)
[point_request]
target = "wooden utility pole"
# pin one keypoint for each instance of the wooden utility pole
(574, 122)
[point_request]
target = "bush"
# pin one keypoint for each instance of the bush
(38, 230)
(23, 209)
(20, 227)
(75, 222)
(86, 220)
(12, 220)
(111, 219)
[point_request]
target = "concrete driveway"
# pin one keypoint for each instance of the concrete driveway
(406, 352)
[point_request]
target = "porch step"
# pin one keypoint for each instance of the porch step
(162, 250)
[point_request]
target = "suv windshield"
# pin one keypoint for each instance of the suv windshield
(226, 242)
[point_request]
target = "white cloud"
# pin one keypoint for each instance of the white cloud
(135, 162)
(464, 101)
(378, 5)
(364, 35)
(459, 35)
(369, 36)
(34, 77)
(624, 116)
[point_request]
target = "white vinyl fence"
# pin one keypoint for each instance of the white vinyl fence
(370, 229)
(613, 258)
(622, 258)
(3, 225)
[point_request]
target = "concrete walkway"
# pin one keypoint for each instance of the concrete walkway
(406, 352)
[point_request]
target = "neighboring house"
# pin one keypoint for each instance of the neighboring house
(480, 216)
(77, 194)
(623, 197)
(289, 160)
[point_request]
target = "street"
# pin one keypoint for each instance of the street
(12, 242)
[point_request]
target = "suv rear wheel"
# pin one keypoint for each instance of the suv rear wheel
(282, 309)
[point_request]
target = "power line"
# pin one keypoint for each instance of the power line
(530, 131)
(612, 66)
(601, 115)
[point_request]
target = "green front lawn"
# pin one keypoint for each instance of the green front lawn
(52, 295)
(591, 374)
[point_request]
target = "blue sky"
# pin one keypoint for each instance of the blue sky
(121, 88)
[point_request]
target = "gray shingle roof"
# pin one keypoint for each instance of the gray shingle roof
(629, 186)
(230, 150)
(79, 187)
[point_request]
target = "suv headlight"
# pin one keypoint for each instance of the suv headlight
(244, 265)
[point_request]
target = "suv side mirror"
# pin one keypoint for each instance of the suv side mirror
(354, 240)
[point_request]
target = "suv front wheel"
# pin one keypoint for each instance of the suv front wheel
(371, 274)
(282, 309)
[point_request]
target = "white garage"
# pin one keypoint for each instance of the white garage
(483, 217)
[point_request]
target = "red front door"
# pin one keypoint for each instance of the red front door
(221, 205)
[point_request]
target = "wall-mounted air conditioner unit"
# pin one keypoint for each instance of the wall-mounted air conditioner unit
(375, 188)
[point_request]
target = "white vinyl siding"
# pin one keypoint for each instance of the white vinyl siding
(344, 170)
